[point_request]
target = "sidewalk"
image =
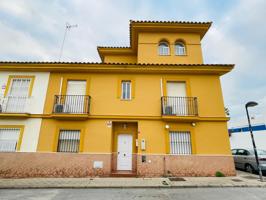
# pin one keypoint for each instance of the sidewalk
(241, 180)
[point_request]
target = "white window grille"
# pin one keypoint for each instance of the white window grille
(164, 49)
(180, 49)
(9, 139)
(69, 141)
(16, 99)
(126, 90)
(180, 142)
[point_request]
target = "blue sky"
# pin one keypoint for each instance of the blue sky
(33, 30)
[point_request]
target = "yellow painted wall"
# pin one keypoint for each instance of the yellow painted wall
(212, 138)
(148, 48)
(97, 137)
(105, 99)
(120, 59)
(206, 137)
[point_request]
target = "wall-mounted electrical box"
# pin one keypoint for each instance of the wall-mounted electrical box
(143, 145)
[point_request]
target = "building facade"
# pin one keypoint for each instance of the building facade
(152, 109)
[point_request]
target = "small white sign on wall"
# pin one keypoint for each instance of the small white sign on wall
(98, 164)
(109, 124)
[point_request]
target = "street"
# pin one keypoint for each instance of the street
(98, 194)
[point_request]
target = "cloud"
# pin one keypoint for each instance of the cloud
(239, 39)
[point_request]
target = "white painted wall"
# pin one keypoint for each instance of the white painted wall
(243, 140)
(31, 132)
(36, 101)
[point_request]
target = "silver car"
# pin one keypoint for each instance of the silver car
(245, 159)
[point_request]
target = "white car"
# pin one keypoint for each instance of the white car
(245, 159)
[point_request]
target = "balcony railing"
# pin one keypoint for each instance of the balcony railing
(179, 106)
(73, 104)
(14, 104)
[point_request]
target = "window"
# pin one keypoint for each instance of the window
(180, 142)
(234, 151)
(164, 49)
(69, 141)
(17, 93)
(242, 152)
(9, 138)
(126, 90)
(180, 49)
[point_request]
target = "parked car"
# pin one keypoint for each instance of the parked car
(245, 159)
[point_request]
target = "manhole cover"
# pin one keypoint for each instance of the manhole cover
(250, 177)
(176, 179)
(236, 180)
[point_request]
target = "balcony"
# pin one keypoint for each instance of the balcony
(14, 105)
(179, 106)
(72, 104)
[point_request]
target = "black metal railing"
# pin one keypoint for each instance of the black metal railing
(77, 104)
(179, 106)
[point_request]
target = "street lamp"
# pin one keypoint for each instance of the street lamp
(252, 104)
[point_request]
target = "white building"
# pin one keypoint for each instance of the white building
(22, 98)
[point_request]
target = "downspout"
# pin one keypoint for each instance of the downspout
(61, 83)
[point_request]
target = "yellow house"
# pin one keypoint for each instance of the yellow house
(151, 109)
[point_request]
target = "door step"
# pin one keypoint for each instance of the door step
(123, 174)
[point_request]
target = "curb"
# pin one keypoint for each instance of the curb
(132, 187)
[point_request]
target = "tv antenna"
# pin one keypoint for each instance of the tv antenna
(68, 27)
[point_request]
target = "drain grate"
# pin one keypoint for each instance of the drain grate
(176, 179)
(164, 183)
(236, 180)
(250, 177)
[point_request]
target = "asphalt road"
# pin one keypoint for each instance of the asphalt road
(143, 194)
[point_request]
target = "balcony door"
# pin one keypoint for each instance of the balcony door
(17, 95)
(176, 98)
(75, 97)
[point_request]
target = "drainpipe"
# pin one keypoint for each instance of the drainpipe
(161, 87)
(61, 83)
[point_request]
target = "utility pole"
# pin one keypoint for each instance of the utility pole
(68, 27)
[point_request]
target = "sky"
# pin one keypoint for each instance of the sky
(33, 30)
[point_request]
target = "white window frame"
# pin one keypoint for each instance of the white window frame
(164, 49)
(180, 142)
(9, 145)
(126, 90)
(180, 49)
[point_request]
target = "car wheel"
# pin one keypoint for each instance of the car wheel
(249, 168)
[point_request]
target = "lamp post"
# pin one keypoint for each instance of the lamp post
(252, 104)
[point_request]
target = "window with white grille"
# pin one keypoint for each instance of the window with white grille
(164, 49)
(69, 141)
(180, 49)
(126, 90)
(17, 95)
(180, 142)
(9, 139)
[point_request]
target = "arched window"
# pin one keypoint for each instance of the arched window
(163, 49)
(180, 49)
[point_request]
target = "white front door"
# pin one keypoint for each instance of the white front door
(124, 152)
(75, 99)
(176, 92)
